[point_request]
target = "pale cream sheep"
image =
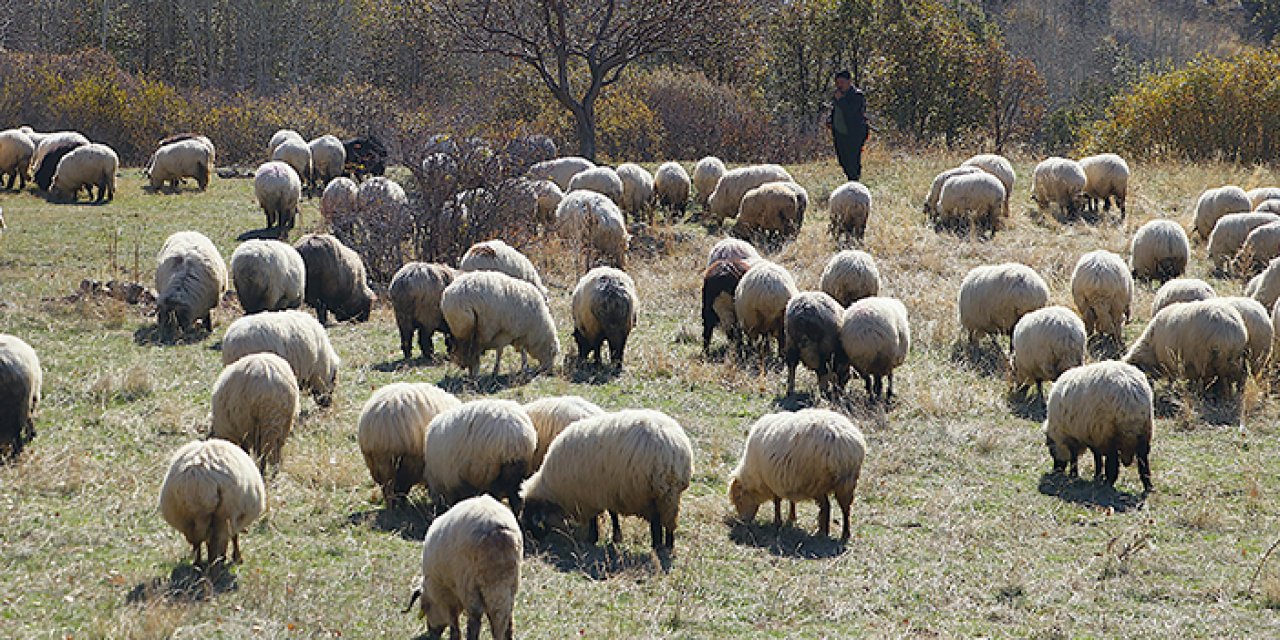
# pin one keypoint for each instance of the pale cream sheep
(328, 160)
(1058, 182)
(760, 303)
(935, 189)
(496, 255)
(1265, 287)
(971, 201)
(1001, 168)
(596, 224)
(296, 154)
(1181, 290)
(552, 415)
(671, 186)
(560, 170)
(190, 280)
(849, 276)
(732, 249)
(602, 180)
(706, 174)
(1159, 251)
(876, 337)
(186, 158)
(211, 493)
(637, 187)
(994, 297)
(490, 310)
(1257, 324)
(254, 405)
(21, 379)
(1102, 290)
(293, 335)
(725, 201)
(16, 150)
(1260, 247)
(268, 275)
(86, 167)
(849, 207)
(770, 212)
(391, 430)
(1107, 408)
(279, 191)
(1203, 341)
(483, 446)
(1215, 203)
(1106, 178)
(1046, 342)
(1230, 232)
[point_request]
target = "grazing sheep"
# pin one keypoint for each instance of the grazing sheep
(1260, 247)
(328, 158)
(293, 335)
(1203, 341)
(1001, 168)
(560, 170)
(255, 403)
(1181, 290)
(378, 192)
(876, 337)
(719, 286)
(807, 455)
(16, 150)
(86, 167)
(1268, 206)
(1046, 342)
(211, 493)
(994, 297)
(1061, 182)
(296, 154)
(849, 206)
(802, 200)
(1106, 177)
(637, 187)
(490, 310)
(339, 198)
(278, 190)
(706, 175)
(849, 276)
(186, 158)
(602, 180)
(971, 201)
(1230, 232)
(190, 280)
(50, 151)
(280, 137)
(269, 276)
(35, 136)
(552, 415)
(1257, 324)
(812, 333)
(769, 211)
(760, 304)
(336, 279)
(604, 308)
(1265, 287)
(732, 249)
(726, 200)
(1108, 408)
(634, 462)
(415, 293)
(20, 382)
(935, 189)
(671, 185)
(1102, 289)
(391, 430)
(1260, 195)
(1215, 203)
(1159, 251)
(483, 446)
(471, 562)
(496, 255)
(595, 222)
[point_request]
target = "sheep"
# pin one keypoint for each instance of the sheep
(1046, 342)
(35, 136)
(336, 279)
(1203, 341)
(378, 192)
(972, 200)
(706, 175)
(594, 221)
(190, 280)
(1230, 232)
(849, 276)
(1159, 251)
(602, 180)
(604, 308)
(1260, 247)
(50, 151)
(633, 462)
(760, 303)
(1106, 177)
(328, 158)
(1102, 289)
(496, 255)
(86, 167)
(1265, 287)
(719, 286)
(935, 189)
(415, 293)
(637, 187)
(769, 211)
(849, 206)
(811, 327)
(391, 430)
(1001, 168)
(296, 154)
(994, 297)
(671, 186)
(876, 338)
(1268, 206)
(806, 455)
(16, 150)
(1108, 408)
(1260, 195)
(280, 137)
(255, 403)
(552, 415)
(483, 446)
(470, 562)
(21, 379)
(1058, 181)
(269, 276)
(338, 198)
(211, 493)
(802, 200)
(490, 310)
(278, 190)
(732, 249)
(293, 335)
(1257, 324)
(1181, 290)
(726, 200)
(1215, 203)
(560, 170)
(187, 158)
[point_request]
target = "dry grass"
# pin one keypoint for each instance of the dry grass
(957, 529)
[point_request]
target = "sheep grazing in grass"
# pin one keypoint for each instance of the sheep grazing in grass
(280, 137)
(596, 224)
(1215, 203)
(1102, 289)
(186, 158)
(719, 286)
(293, 335)
(1181, 290)
(86, 167)
(726, 200)
(296, 154)
(16, 150)
(279, 192)
(1046, 342)
(876, 337)
(1058, 182)
(602, 180)
(807, 455)
(1106, 178)
(1001, 168)
(850, 276)
(211, 493)
(21, 379)
(552, 415)
(706, 174)
(269, 275)
(49, 153)
(760, 304)
(1265, 287)
(391, 430)
(637, 188)
(604, 309)
(671, 186)
(849, 206)
(328, 158)
(1260, 247)
(769, 212)
(490, 310)
(994, 297)
(483, 446)
(1159, 251)
(1107, 408)
(1230, 232)
(1204, 342)
(496, 255)
(812, 333)
(935, 189)
(732, 249)
(560, 170)
(1257, 324)
(415, 293)
(1260, 195)
(190, 280)
(336, 279)
(255, 403)
(971, 201)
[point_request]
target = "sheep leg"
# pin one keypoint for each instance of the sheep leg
(322, 313)
(426, 344)
(500, 622)
(235, 549)
(655, 528)
(406, 340)
(497, 361)
(473, 624)
(616, 351)
(617, 527)
(1112, 459)
(777, 512)
(1097, 464)
(824, 515)
(791, 513)
(889, 392)
(1144, 466)
(845, 500)
(593, 529)
(791, 377)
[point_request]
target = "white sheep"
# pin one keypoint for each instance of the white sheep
(770, 211)
(336, 279)
(1268, 206)
(496, 255)
(594, 222)
(1159, 250)
(732, 249)
(725, 201)
(1046, 342)
(807, 455)
(1215, 203)
(254, 405)
(278, 190)
(671, 186)
(391, 430)
(706, 174)
(994, 297)
(849, 276)
(328, 159)
(802, 199)
(876, 337)
(604, 306)
(471, 563)
(560, 170)
(415, 293)
(634, 462)
(21, 379)
(16, 150)
(35, 136)
(280, 137)
(380, 192)
(483, 446)
(269, 276)
(552, 415)
(719, 286)
(1001, 168)
(849, 207)
(971, 201)
(547, 197)
(86, 167)
(1257, 324)
(490, 310)
(1260, 247)
(1203, 341)
(935, 189)
(1265, 287)
(50, 151)
(1058, 181)
(760, 303)
(1260, 195)
(811, 328)
(1181, 290)
(637, 187)
(1102, 289)
(211, 493)
(1230, 232)
(1106, 177)
(1107, 408)
(296, 154)
(293, 335)
(190, 280)
(186, 158)
(602, 180)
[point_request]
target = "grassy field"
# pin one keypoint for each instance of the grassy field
(957, 529)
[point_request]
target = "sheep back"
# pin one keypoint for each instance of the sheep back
(254, 405)
(278, 189)
(732, 249)
(1181, 290)
(760, 302)
(415, 293)
(187, 158)
(671, 185)
(1215, 203)
(551, 415)
(637, 187)
(1230, 232)
(602, 180)
(483, 446)
(190, 280)
(725, 201)
(490, 310)
(1159, 250)
(849, 276)
(336, 278)
(211, 493)
(1058, 181)
(293, 335)
(1202, 341)
(91, 165)
(1107, 407)
(560, 170)
(876, 335)
(994, 297)
(269, 275)
(496, 255)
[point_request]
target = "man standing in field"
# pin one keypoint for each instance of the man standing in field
(848, 123)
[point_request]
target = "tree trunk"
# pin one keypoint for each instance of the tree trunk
(584, 117)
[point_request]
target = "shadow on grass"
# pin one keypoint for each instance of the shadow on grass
(186, 583)
(400, 364)
(796, 401)
(596, 561)
(987, 357)
(271, 233)
(593, 373)
(153, 336)
(1211, 408)
(1088, 493)
(788, 541)
(1104, 347)
(485, 383)
(409, 520)
(1025, 403)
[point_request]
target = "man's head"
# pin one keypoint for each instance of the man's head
(844, 80)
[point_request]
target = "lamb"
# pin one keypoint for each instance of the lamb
(850, 276)
(604, 308)
(328, 158)
(994, 297)
(1260, 247)
(637, 187)
(552, 415)
(1265, 287)
(1102, 289)
(336, 279)
(36, 137)
(339, 198)
(255, 403)
(671, 186)
(1159, 251)
(935, 189)
(269, 276)
(483, 446)
(293, 335)
(560, 170)
(21, 379)
(278, 190)
(1230, 232)
(760, 303)
(1203, 341)
(547, 197)
(972, 200)
(812, 332)
(849, 206)
(1106, 177)
(415, 293)
(280, 137)
(769, 211)
(998, 166)
(1061, 182)
(16, 150)
(296, 154)
(378, 192)
(594, 221)
(470, 562)
(876, 338)
(1215, 203)
(1046, 342)
(187, 158)
(50, 151)
(391, 430)
(211, 493)
(706, 175)
(732, 249)
(1261, 194)
(1257, 324)
(1108, 408)
(1181, 290)
(496, 255)
(726, 200)
(490, 310)
(634, 462)
(719, 286)
(806, 455)
(86, 167)
(190, 280)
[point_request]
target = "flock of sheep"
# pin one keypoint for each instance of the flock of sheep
(565, 458)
